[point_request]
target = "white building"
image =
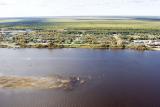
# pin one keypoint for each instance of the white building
(147, 42)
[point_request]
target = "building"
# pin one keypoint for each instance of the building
(155, 43)
(13, 32)
(142, 42)
(147, 42)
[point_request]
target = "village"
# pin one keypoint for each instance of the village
(28, 38)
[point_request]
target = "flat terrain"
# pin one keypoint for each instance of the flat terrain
(80, 33)
(82, 24)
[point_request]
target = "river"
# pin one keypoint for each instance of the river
(117, 78)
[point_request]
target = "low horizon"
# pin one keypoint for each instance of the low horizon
(89, 16)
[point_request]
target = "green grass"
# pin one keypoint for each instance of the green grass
(125, 24)
(9, 20)
(103, 25)
(74, 24)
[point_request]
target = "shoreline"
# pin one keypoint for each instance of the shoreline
(85, 46)
(155, 49)
(117, 48)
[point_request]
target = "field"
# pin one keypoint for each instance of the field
(83, 24)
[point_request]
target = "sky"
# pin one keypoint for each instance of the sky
(31, 8)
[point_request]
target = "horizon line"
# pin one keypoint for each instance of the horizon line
(122, 16)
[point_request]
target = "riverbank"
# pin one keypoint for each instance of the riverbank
(88, 46)
(155, 49)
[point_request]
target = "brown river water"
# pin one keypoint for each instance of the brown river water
(116, 78)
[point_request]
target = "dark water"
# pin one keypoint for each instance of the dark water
(118, 78)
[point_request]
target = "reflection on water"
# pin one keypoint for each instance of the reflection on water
(118, 78)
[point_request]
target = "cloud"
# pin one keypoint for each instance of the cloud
(143, 1)
(3, 4)
(14, 8)
(138, 1)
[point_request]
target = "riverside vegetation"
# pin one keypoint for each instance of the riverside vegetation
(77, 33)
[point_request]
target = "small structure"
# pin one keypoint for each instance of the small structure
(155, 43)
(142, 42)
(13, 32)
(147, 42)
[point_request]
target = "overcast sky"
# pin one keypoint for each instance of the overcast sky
(22, 8)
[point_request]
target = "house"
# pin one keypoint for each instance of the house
(13, 32)
(142, 42)
(155, 43)
(147, 42)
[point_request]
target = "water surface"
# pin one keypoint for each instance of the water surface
(118, 78)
